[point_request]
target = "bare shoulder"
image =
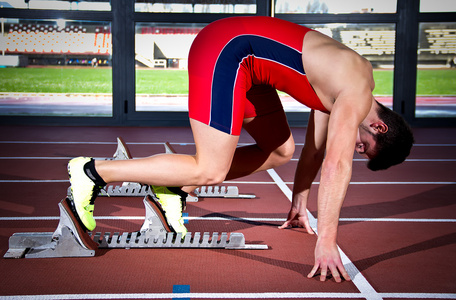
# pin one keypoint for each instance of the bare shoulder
(332, 67)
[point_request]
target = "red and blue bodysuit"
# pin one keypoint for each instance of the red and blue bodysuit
(237, 64)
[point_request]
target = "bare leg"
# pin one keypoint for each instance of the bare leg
(210, 164)
(274, 145)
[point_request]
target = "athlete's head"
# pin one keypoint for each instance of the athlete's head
(393, 139)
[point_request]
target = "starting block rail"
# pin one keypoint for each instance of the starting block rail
(137, 189)
(132, 189)
(70, 240)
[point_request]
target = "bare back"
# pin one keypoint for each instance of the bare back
(334, 69)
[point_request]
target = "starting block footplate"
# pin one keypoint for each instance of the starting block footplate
(71, 240)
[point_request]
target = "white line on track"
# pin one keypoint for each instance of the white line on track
(366, 289)
(159, 143)
(272, 295)
(293, 159)
(404, 220)
(257, 182)
(355, 182)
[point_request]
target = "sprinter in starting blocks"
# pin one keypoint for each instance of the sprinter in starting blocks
(128, 189)
(71, 238)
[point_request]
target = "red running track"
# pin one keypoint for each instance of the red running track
(397, 227)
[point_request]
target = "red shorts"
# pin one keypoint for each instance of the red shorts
(237, 64)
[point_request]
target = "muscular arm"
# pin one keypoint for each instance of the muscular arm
(343, 81)
(346, 116)
(308, 165)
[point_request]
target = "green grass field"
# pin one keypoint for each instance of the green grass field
(157, 81)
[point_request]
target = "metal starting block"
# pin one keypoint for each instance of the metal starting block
(71, 240)
(136, 189)
(132, 189)
(68, 240)
(127, 189)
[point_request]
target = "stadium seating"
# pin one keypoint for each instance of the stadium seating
(50, 39)
(369, 42)
(441, 41)
(88, 39)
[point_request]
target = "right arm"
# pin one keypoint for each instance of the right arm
(309, 164)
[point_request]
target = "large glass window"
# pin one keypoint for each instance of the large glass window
(375, 42)
(99, 5)
(335, 6)
(161, 54)
(436, 88)
(437, 6)
(55, 68)
(197, 6)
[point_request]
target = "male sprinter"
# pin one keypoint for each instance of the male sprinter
(235, 67)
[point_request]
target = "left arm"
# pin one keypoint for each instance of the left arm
(344, 79)
(335, 178)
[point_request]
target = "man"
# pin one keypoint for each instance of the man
(235, 67)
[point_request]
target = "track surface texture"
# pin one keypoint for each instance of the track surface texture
(397, 230)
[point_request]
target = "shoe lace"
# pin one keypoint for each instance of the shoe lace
(96, 190)
(183, 195)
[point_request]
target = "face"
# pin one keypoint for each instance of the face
(365, 142)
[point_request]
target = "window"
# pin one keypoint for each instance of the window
(436, 89)
(197, 6)
(161, 56)
(335, 6)
(55, 68)
(375, 42)
(99, 5)
(437, 6)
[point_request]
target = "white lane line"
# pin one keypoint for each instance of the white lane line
(397, 220)
(44, 158)
(259, 182)
(271, 295)
(402, 220)
(174, 143)
(354, 182)
(293, 159)
(35, 181)
(407, 160)
(361, 283)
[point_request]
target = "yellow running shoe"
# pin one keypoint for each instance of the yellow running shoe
(83, 192)
(172, 203)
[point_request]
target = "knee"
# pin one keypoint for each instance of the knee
(210, 177)
(284, 153)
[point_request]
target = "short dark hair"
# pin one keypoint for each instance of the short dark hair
(393, 146)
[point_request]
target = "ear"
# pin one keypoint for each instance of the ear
(380, 127)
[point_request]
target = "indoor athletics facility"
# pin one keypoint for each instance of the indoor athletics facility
(109, 80)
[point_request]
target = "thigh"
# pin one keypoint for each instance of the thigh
(265, 119)
(270, 132)
(214, 148)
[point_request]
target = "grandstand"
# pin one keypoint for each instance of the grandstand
(370, 42)
(375, 42)
(442, 40)
(49, 43)
(46, 43)
(438, 45)
(165, 46)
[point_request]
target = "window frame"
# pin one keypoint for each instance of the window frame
(123, 19)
